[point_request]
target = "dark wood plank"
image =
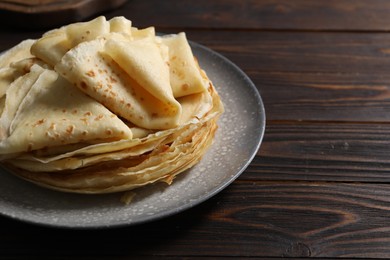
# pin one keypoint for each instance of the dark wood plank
(266, 14)
(312, 76)
(319, 184)
(51, 13)
(251, 14)
(320, 151)
(290, 219)
(317, 52)
(247, 14)
(309, 96)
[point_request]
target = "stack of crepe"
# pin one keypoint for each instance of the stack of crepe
(102, 106)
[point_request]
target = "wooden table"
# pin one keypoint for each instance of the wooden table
(319, 185)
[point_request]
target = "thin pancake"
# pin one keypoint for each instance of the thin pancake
(42, 120)
(98, 75)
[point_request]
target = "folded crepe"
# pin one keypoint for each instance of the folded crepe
(34, 116)
(102, 106)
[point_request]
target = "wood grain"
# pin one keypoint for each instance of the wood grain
(350, 15)
(249, 219)
(312, 76)
(310, 96)
(316, 52)
(319, 151)
(48, 14)
(319, 185)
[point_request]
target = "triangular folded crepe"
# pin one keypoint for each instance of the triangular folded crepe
(14, 55)
(133, 82)
(39, 119)
(51, 48)
(185, 75)
(14, 96)
(53, 45)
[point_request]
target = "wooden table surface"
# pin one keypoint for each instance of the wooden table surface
(319, 184)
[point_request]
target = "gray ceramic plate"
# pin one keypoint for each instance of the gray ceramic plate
(241, 129)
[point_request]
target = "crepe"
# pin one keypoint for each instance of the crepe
(102, 106)
(40, 118)
(102, 68)
(184, 73)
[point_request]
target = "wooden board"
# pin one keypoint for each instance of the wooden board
(319, 185)
(45, 14)
(318, 151)
(351, 15)
(249, 219)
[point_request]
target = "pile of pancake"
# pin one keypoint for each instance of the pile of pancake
(102, 106)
